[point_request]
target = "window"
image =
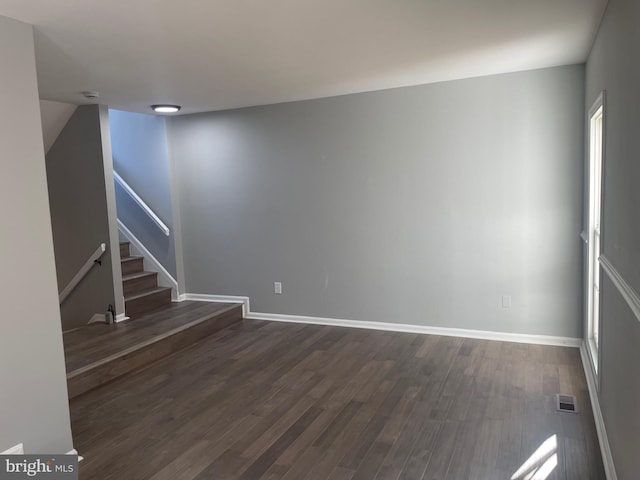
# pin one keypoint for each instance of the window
(596, 144)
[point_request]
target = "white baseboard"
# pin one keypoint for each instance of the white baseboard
(392, 327)
(98, 318)
(15, 450)
(75, 452)
(19, 450)
(165, 279)
(607, 457)
(407, 328)
(102, 318)
(200, 297)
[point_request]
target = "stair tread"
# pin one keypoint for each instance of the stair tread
(131, 276)
(130, 258)
(146, 293)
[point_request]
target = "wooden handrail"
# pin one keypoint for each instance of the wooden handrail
(92, 260)
(136, 198)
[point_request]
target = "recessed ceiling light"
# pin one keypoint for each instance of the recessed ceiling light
(166, 108)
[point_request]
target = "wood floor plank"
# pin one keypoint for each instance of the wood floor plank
(372, 461)
(340, 473)
(447, 437)
(394, 461)
(271, 454)
(329, 435)
(305, 440)
(416, 465)
(188, 465)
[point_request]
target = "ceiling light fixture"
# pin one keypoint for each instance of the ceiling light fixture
(166, 108)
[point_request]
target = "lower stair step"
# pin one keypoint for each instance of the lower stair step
(97, 354)
(147, 301)
(139, 282)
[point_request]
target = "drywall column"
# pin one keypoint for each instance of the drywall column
(34, 408)
(112, 214)
(177, 221)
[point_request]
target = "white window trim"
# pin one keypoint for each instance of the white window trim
(592, 347)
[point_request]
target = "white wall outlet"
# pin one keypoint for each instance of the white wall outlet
(506, 301)
(277, 288)
(17, 450)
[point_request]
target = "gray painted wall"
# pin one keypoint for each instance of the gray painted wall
(139, 145)
(79, 215)
(614, 66)
(33, 389)
(421, 205)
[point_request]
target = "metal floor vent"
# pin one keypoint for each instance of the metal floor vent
(566, 403)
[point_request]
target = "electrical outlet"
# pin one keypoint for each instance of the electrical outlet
(506, 301)
(277, 288)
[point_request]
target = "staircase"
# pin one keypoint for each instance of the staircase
(141, 291)
(98, 353)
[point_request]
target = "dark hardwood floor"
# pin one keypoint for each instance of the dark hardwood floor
(283, 401)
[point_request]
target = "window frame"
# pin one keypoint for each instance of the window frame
(596, 120)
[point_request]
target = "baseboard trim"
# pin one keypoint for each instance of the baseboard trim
(98, 318)
(450, 332)
(104, 318)
(422, 329)
(75, 452)
(19, 450)
(165, 279)
(15, 450)
(201, 297)
(605, 449)
(391, 327)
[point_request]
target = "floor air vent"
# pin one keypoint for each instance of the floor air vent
(566, 403)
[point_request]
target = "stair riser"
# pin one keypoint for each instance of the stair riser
(141, 284)
(132, 266)
(149, 302)
(125, 251)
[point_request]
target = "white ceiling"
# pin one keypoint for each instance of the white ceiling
(217, 54)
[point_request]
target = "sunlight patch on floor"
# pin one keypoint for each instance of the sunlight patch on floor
(541, 463)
